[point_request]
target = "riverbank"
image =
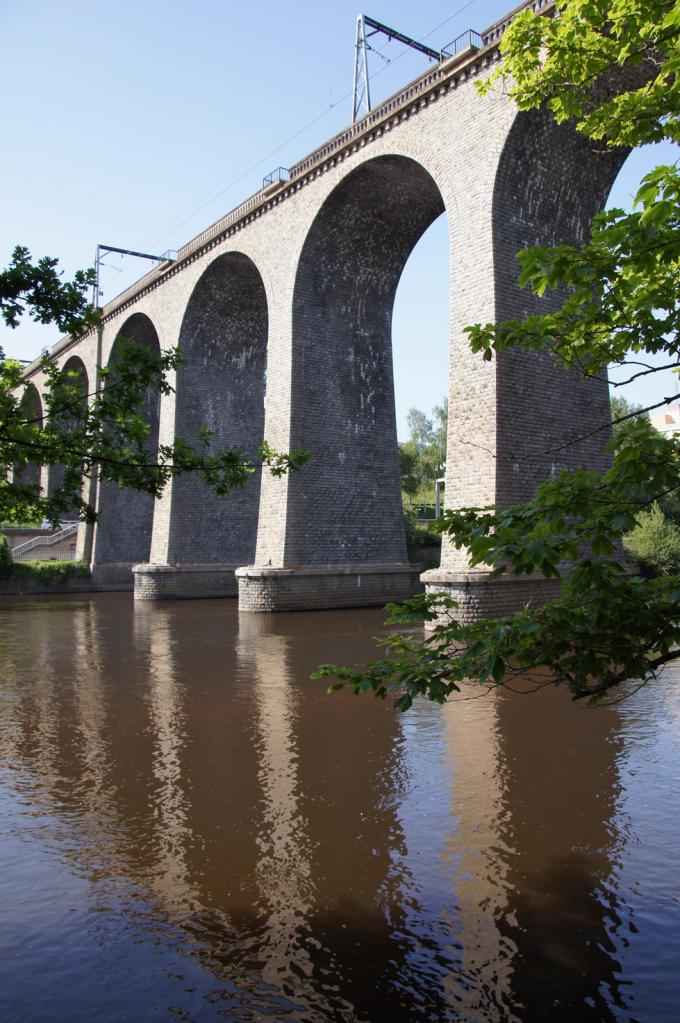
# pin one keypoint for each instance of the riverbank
(42, 577)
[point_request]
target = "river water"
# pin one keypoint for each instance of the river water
(193, 830)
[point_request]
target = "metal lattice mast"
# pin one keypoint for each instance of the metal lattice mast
(361, 92)
(361, 96)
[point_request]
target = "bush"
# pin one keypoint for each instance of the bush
(47, 573)
(417, 536)
(6, 563)
(655, 543)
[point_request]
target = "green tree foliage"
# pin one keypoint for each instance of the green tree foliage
(622, 411)
(37, 289)
(654, 542)
(422, 457)
(104, 431)
(6, 562)
(622, 306)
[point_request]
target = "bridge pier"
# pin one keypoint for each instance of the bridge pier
(316, 587)
(178, 582)
(481, 595)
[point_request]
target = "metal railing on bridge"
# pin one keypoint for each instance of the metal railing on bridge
(469, 40)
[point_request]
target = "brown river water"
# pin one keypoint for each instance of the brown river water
(193, 830)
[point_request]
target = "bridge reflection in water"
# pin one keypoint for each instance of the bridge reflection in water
(196, 831)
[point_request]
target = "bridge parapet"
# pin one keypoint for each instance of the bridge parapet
(494, 32)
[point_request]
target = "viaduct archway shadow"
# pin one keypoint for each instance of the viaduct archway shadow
(27, 475)
(123, 532)
(345, 505)
(221, 386)
(69, 412)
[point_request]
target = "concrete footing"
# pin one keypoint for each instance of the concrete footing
(324, 586)
(481, 595)
(183, 582)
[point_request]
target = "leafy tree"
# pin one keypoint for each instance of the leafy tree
(6, 561)
(440, 415)
(654, 542)
(622, 297)
(422, 456)
(409, 470)
(104, 431)
(622, 411)
(419, 429)
(38, 289)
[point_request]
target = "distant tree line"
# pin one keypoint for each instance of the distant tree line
(422, 458)
(653, 545)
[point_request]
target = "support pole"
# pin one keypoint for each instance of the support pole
(361, 96)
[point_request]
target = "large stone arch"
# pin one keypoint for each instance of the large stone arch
(68, 414)
(550, 182)
(123, 532)
(27, 475)
(345, 505)
(534, 417)
(221, 385)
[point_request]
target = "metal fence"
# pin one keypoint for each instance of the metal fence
(34, 555)
(469, 40)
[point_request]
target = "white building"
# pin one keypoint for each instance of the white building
(667, 421)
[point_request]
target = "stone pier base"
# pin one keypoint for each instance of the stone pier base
(324, 586)
(183, 582)
(480, 595)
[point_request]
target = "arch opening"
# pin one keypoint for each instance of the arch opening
(551, 181)
(70, 411)
(126, 516)
(221, 385)
(421, 348)
(27, 474)
(345, 505)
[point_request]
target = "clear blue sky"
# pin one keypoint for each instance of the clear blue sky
(137, 124)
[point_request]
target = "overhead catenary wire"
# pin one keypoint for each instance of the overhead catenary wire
(192, 212)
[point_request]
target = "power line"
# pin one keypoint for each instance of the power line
(193, 212)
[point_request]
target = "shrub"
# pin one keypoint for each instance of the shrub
(6, 562)
(417, 536)
(655, 543)
(47, 573)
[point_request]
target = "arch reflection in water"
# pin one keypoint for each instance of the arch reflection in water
(167, 723)
(283, 870)
(559, 763)
(452, 872)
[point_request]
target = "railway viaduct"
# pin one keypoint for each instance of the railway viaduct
(292, 292)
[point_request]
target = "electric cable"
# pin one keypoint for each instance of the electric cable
(193, 212)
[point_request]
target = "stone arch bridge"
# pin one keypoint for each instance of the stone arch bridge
(296, 287)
